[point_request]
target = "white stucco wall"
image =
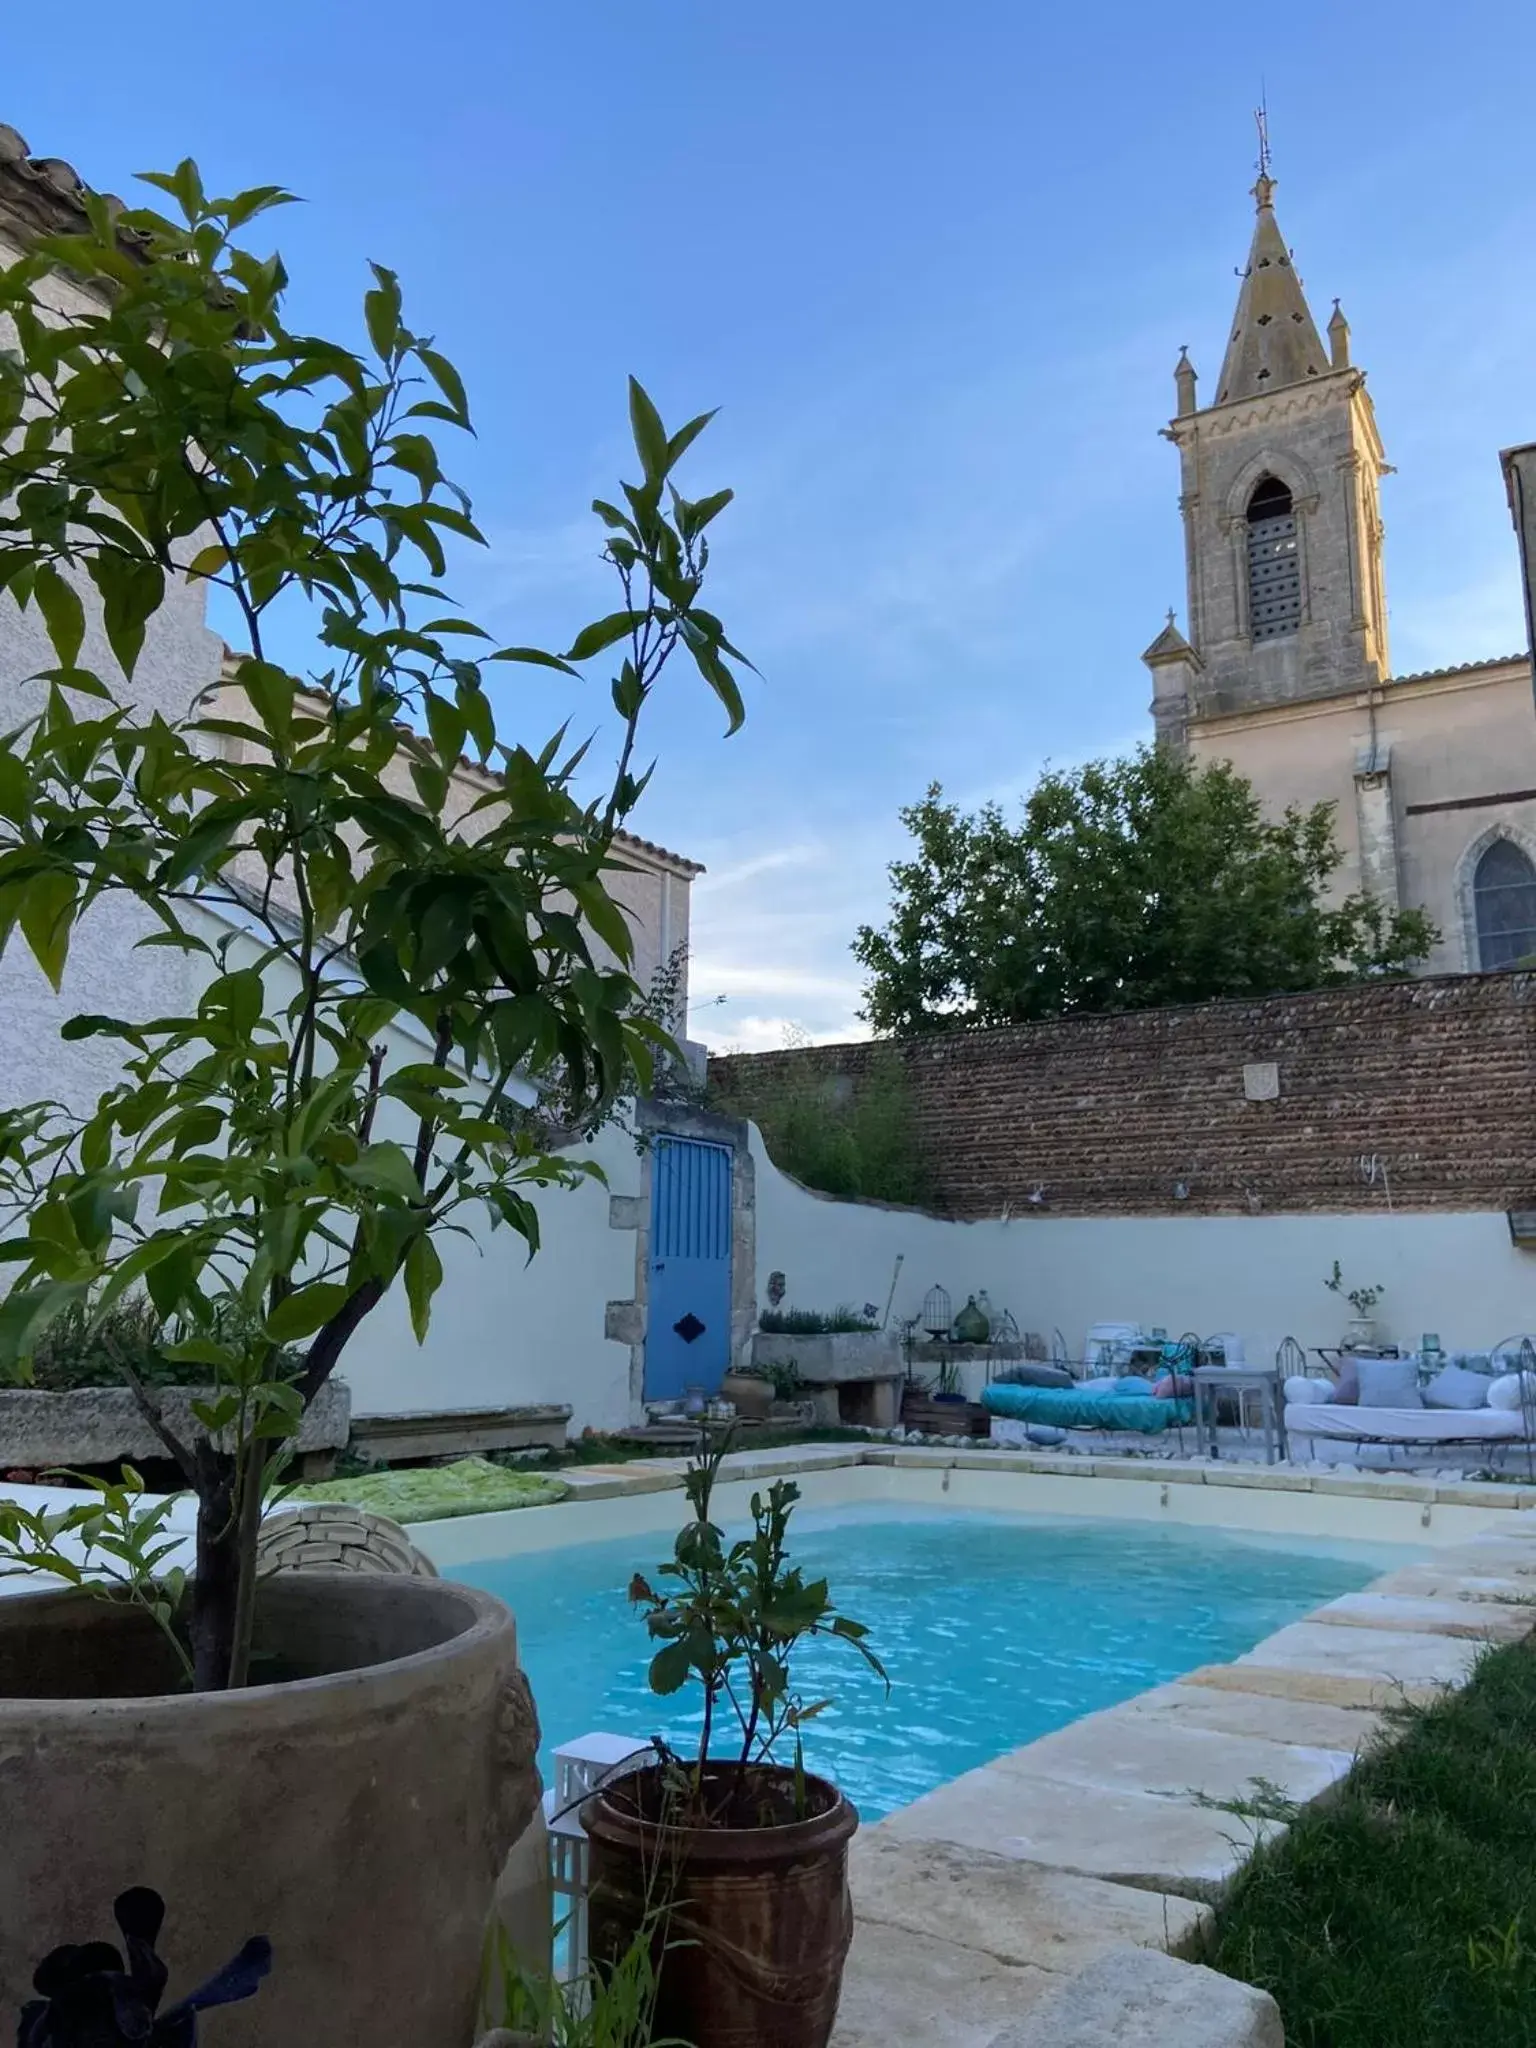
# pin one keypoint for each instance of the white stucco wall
(180, 659)
(1261, 1276)
(505, 1330)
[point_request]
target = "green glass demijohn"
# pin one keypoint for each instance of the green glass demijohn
(971, 1325)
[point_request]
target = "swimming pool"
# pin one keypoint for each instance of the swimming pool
(995, 1629)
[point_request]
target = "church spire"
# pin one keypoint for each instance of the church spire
(1274, 339)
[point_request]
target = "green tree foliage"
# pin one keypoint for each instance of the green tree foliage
(267, 1168)
(1126, 885)
(849, 1136)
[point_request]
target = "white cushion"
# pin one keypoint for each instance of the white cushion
(1299, 1388)
(1403, 1425)
(1505, 1392)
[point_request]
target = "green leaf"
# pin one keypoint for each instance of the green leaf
(63, 613)
(301, 1314)
(447, 726)
(448, 381)
(423, 1277)
(603, 633)
(47, 918)
(650, 435)
(670, 1668)
(385, 1168)
(381, 311)
(685, 437)
(132, 591)
(536, 656)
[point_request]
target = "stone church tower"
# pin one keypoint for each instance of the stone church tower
(1282, 526)
(1282, 670)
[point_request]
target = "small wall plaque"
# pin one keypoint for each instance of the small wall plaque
(1261, 1081)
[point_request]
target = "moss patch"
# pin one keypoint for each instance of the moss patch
(431, 1493)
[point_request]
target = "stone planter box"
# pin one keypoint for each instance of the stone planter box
(99, 1425)
(832, 1359)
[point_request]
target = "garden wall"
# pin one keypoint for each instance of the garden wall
(1260, 1276)
(1415, 1095)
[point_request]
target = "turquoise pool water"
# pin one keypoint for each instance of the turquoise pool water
(995, 1629)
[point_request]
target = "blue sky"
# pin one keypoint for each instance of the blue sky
(934, 264)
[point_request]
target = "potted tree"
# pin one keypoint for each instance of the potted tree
(378, 969)
(736, 1859)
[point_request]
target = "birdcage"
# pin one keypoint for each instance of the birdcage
(938, 1315)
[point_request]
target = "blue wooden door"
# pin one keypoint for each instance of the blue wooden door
(688, 1318)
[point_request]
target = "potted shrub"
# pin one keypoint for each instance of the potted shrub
(736, 1858)
(373, 972)
(1361, 1332)
(766, 1392)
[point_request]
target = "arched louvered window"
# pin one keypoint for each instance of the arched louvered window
(1504, 899)
(1274, 567)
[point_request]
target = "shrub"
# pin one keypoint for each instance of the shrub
(856, 1142)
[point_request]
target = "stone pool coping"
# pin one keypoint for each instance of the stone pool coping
(1282, 1500)
(1121, 1828)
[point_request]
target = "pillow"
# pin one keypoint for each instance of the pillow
(1346, 1392)
(1031, 1374)
(1505, 1393)
(1455, 1387)
(1173, 1386)
(1389, 1383)
(1303, 1392)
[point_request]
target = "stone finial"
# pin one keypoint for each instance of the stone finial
(1184, 381)
(1338, 339)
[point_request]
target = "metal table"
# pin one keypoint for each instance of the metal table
(1240, 1380)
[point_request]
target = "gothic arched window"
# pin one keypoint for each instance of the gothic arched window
(1504, 903)
(1274, 568)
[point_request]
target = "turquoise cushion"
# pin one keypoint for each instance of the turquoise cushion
(1077, 1410)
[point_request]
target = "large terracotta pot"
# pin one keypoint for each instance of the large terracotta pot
(755, 1921)
(357, 1812)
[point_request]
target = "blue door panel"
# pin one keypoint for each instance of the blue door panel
(688, 1319)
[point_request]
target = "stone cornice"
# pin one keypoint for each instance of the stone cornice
(1241, 415)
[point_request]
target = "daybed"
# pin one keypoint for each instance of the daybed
(1074, 1408)
(1397, 1402)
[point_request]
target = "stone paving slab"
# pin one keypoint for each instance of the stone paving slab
(1323, 1688)
(1130, 1999)
(1129, 1837)
(1312, 1723)
(1120, 1751)
(1014, 1912)
(902, 1987)
(1434, 1582)
(1479, 1621)
(1396, 1657)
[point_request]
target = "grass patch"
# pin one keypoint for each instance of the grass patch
(1403, 1913)
(429, 1493)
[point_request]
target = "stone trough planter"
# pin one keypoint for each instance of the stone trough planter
(849, 1376)
(99, 1425)
(834, 1358)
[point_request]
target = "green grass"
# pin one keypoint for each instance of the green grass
(429, 1493)
(1403, 1913)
